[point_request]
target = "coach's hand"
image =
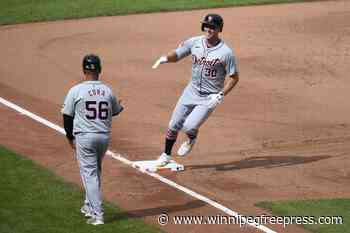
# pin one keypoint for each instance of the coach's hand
(161, 60)
(215, 99)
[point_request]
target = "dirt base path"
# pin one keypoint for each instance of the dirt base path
(282, 134)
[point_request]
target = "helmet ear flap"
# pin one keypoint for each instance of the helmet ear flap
(202, 27)
(205, 20)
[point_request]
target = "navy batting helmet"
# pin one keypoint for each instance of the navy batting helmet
(92, 62)
(213, 21)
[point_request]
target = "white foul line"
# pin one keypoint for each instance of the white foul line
(155, 175)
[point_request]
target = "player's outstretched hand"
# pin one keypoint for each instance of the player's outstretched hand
(161, 60)
(215, 99)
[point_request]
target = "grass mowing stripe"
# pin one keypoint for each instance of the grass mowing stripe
(34, 200)
(20, 11)
(315, 208)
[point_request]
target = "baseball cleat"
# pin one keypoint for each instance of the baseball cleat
(86, 211)
(163, 160)
(186, 147)
(94, 220)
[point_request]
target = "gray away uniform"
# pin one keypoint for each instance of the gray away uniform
(209, 69)
(92, 104)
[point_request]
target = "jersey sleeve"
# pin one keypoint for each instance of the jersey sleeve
(184, 48)
(69, 103)
(116, 107)
(231, 66)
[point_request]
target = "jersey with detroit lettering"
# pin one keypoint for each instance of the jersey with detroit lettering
(209, 65)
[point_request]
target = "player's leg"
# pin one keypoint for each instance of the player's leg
(101, 144)
(88, 162)
(177, 120)
(176, 123)
(86, 209)
(191, 126)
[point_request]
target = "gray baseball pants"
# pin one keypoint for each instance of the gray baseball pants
(90, 150)
(191, 112)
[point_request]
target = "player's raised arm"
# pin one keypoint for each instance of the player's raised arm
(182, 51)
(170, 57)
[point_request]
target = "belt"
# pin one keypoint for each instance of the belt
(205, 93)
(76, 133)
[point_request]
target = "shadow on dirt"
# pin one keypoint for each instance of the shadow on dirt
(261, 161)
(155, 211)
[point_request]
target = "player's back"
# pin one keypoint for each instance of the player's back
(93, 107)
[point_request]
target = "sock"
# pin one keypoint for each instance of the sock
(170, 141)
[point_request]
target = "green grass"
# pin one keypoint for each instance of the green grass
(34, 200)
(20, 11)
(315, 208)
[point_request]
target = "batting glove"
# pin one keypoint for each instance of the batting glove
(161, 60)
(215, 99)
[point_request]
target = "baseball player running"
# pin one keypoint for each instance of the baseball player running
(212, 61)
(87, 115)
